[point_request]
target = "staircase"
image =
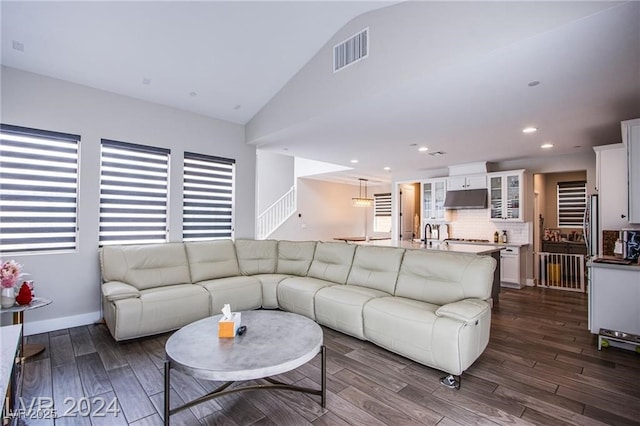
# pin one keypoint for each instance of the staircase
(276, 214)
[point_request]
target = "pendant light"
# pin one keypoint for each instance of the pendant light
(362, 200)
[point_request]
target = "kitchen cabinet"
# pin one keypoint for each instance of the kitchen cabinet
(631, 139)
(565, 247)
(511, 267)
(611, 183)
(457, 183)
(614, 298)
(433, 194)
(505, 196)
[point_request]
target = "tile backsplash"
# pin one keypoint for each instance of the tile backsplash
(475, 223)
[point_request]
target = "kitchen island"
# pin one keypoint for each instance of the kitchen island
(478, 249)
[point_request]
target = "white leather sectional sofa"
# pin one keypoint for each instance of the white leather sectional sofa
(429, 306)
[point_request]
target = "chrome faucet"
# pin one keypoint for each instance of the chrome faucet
(427, 235)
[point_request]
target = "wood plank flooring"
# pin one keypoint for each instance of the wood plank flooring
(541, 367)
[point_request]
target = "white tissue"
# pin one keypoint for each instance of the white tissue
(226, 312)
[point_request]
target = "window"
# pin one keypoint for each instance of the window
(38, 190)
(382, 212)
(134, 193)
(572, 202)
(208, 197)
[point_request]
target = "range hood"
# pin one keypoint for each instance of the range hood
(466, 199)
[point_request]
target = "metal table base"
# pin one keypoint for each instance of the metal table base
(223, 389)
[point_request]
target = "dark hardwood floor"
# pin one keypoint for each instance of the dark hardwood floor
(542, 367)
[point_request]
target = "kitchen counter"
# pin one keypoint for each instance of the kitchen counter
(631, 267)
(488, 243)
(457, 247)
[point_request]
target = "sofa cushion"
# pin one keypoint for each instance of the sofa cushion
(340, 307)
(146, 266)
(257, 256)
(156, 310)
(414, 329)
(402, 325)
(442, 278)
(269, 284)
(332, 262)
(242, 293)
(294, 257)
(212, 259)
(296, 294)
(376, 267)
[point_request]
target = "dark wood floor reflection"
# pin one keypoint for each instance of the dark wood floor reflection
(542, 367)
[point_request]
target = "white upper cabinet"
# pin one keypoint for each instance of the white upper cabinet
(611, 182)
(433, 193)
(456, 183)
(505, 195)
(631, 138)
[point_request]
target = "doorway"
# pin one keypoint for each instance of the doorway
(409, 211)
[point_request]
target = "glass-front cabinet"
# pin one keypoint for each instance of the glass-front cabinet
(433, 193)
(505, 196)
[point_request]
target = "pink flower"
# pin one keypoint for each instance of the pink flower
(10, 273)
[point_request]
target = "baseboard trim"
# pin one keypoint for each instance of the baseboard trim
(531, 282)
(44, 326)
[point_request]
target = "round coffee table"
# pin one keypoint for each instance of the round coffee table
(275, 342)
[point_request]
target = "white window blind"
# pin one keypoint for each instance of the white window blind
(38, 190)
(134, 193)
(208, 197)
(572, 202)
(382, 212)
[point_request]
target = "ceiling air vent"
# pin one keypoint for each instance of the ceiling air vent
(351, 50)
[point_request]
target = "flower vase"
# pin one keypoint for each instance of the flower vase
(8, 297)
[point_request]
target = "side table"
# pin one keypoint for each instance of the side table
(28, 350)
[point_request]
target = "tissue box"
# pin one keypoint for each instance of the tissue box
(228, 328)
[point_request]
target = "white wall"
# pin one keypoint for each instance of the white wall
(275, 175)
(392, 62)
(326, 212)
(72, 280)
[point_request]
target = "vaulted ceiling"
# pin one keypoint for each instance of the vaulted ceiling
(455, 77)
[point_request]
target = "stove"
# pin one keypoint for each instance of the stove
(468, 240)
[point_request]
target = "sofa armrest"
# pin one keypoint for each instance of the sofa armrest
(116, 290)
(467, 310)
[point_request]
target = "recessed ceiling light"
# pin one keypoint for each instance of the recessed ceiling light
(285, 149)
(437, 153)
(193, 94)
(237, 107)
(387, 168)
(146, 81)
(546, 145)
(413, 144)
(354, 161)
(529, 130)
(423, 149)
(533, 83)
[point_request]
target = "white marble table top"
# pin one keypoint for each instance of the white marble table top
(275, 342)
(37, 302)
(9, 341)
